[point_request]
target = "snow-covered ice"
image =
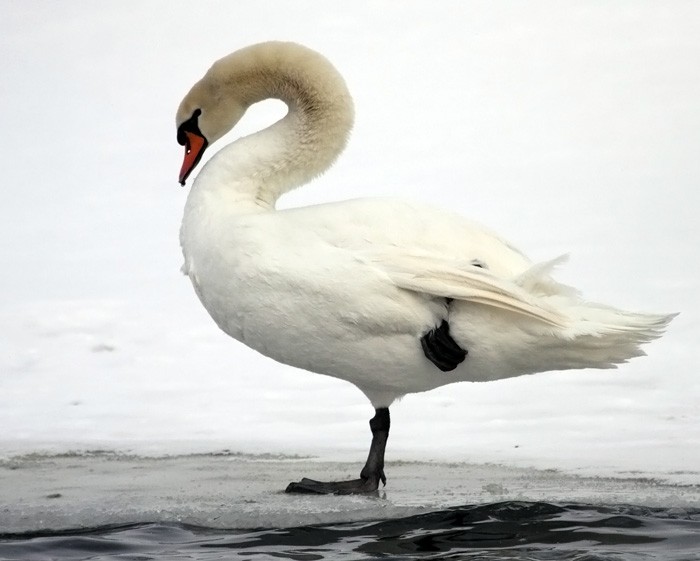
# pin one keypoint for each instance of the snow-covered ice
(569, 128)
(244, 491)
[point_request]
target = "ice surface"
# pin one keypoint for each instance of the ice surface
(240, 491)
(567, 128)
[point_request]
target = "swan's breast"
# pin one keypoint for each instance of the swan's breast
(290, 294)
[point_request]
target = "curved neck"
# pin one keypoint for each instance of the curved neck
(256, 170)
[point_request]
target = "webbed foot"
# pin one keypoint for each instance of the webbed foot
(370, 477)
(349, 487)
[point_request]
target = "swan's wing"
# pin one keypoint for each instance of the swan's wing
(463, 281)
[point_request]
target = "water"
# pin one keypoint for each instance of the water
(501, 531)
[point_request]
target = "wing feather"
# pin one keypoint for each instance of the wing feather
(463, 281)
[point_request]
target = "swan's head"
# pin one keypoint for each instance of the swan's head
(300, 77)
(205, 115)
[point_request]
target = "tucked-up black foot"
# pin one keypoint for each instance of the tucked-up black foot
(370, 477)
(441, 349)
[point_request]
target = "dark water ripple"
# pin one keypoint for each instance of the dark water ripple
(501, 531)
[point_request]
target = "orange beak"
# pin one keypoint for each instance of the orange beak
(194, 148)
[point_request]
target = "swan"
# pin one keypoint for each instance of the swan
(393, 296)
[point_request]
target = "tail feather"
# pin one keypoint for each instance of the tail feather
(596, 335)
(588, 317)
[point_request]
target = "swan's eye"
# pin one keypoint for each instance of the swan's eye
(479, 263)
(181, 137)
(190, 125)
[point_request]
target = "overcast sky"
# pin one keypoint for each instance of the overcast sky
(568, 127)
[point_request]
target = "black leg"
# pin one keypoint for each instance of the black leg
(371, 474)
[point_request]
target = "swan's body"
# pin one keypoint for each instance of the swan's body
(392, 296)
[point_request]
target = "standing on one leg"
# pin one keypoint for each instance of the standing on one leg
(371, 474)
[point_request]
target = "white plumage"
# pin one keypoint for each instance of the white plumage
(348, 289)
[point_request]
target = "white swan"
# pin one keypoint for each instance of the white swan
(393, 296)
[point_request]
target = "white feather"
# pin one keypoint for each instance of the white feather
(348, 289)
